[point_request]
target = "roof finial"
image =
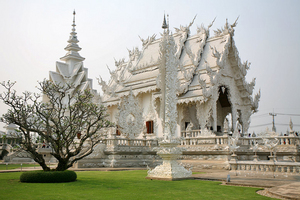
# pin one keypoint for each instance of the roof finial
(165, 25)
(74, 13)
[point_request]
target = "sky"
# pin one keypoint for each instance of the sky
(33, 36)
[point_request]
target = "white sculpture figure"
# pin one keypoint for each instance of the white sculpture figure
(226, 126)
(291, 125)
(271, 145)
(237, 130)
(169, 150)
(189, 127)
(232, 146)
(255, 147)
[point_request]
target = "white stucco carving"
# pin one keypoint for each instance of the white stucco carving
(130, 119)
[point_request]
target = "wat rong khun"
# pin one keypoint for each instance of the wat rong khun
(181, 102)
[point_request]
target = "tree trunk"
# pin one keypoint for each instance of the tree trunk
(40, 160)
(44, 166)
(62, 165)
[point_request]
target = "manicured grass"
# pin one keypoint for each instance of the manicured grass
(16, 166)
(120, 185)
(199, 172)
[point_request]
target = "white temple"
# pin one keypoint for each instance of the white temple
(210, 85)
(180, 97)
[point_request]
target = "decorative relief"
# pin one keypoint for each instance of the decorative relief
(134, 54)
(130, 120)
(148, 41)
(228, 29)
(103, 84)
(255, 102)
(168, 77)
(184, 32)
(203, 35)
(119, 63)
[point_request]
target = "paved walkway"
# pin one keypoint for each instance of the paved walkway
(287, 188)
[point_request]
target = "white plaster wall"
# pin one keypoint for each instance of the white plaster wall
(113, 111)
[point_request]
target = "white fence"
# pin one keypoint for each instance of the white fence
(260, 167)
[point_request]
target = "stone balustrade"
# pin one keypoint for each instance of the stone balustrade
(283, 140)
(193, 138)
(213, 140)
(256, 167)
(130, 142)
(192, 133)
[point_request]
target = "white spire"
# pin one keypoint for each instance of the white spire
(73, 47)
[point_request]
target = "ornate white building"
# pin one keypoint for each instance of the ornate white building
(211, 86)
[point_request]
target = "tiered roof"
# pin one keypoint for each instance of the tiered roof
(72, 71)
(200, 58)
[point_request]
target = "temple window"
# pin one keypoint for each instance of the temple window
(219, 129)
(118, 132)
(186, 125)
(149, 125)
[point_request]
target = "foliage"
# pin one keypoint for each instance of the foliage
(121, 185)
(58, 119)
(48, 176)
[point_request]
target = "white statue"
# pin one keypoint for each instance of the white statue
(226, 125)
(189, 127)
(291, 125)
(271, 145)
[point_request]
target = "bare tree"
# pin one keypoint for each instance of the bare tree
(68, 120)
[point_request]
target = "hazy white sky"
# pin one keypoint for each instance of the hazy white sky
(33, 35)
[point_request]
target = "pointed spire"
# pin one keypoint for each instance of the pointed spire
(73, 47)
(165, 25)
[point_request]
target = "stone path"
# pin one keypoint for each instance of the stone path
(289, 191)
(287, 188)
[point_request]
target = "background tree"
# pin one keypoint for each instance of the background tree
(68, 120)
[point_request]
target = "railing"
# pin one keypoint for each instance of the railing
(194, 137)
(130, 142)
(205, 140)
(265, 166)
(192, 133)
(283, 140)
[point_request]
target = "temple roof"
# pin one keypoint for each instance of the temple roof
(72, 71)
(199, 57)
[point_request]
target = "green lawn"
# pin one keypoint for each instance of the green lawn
(16, 166)
(120, 185)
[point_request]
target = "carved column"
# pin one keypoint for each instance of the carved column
(167, 82)
(214, 116)
(234, 117)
